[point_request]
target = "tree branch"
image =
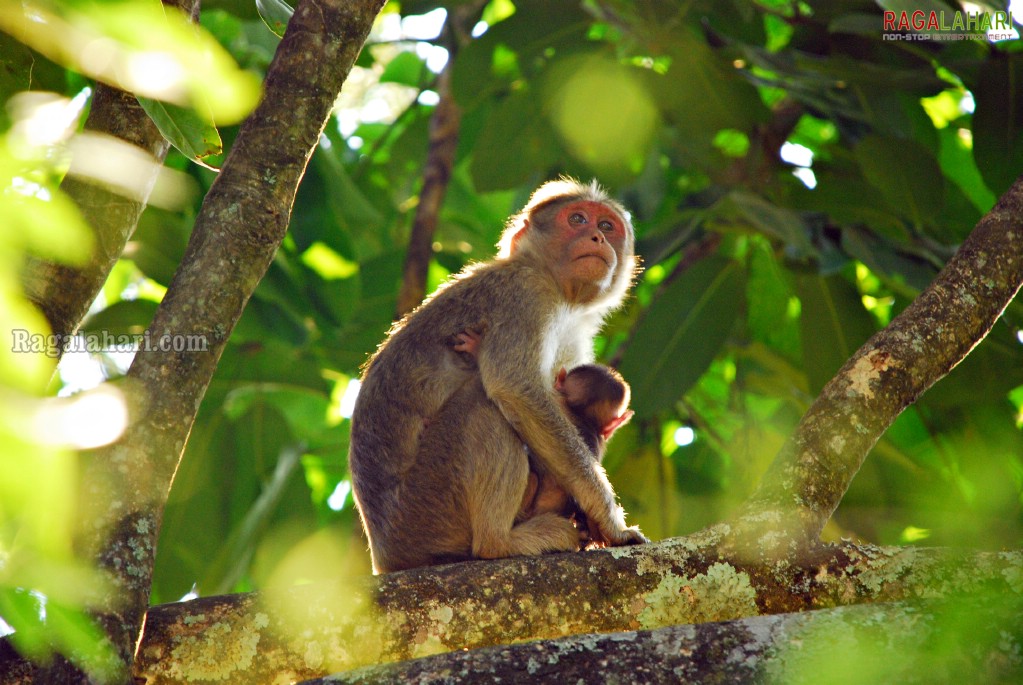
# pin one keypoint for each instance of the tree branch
(787, 648)
(445, 124)
(314, 630)
(811, 474)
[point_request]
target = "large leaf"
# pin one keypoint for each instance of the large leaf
(774, 221)
(998, 120)
(682, 332)
(959, 166)
(907, 175)
(769, 292)
(833, 324)
(407, 68)
(517, 143)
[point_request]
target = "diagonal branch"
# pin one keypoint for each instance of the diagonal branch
(811, 474)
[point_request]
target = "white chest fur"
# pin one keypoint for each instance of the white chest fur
(569, 342)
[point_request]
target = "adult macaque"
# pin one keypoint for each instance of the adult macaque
(431, 489)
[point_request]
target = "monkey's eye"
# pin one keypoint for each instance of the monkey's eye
(606, 226)
(576, 218)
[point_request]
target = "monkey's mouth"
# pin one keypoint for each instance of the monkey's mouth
(595, 256)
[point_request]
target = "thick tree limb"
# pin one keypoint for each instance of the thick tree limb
(65, 293)
(928, 642)
(808, 479)
(315, 630)
(242, 221)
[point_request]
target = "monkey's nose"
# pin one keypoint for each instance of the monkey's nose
(598, 237)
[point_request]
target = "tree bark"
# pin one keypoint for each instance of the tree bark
(64, 293)
(312, 631)
(928, 642)
(243, 219)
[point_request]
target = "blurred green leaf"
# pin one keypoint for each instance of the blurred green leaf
(681, 333)
(519, 144)
(170, 59)
(833, 324)
(407, 69)
(998, 120)
(773, 221)
(907, 175)
(125, 317)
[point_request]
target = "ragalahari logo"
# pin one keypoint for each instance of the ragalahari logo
(942, 25)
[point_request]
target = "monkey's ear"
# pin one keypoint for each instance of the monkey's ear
(559, 382)
(519, 235)
(614, 424)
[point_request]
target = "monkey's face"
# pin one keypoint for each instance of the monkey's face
(588, 242)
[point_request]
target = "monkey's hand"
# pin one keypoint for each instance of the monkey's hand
(615, 533)
(468, 341)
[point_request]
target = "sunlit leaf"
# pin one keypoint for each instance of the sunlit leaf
(407, 69)
(170, 59)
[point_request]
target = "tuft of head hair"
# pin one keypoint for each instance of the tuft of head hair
(558, 190)
(600, 384)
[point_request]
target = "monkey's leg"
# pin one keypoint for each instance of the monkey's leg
(528, 507)
(495, 499)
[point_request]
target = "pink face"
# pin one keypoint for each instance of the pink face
(590, 238)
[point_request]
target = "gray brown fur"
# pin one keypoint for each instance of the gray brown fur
(431, 489)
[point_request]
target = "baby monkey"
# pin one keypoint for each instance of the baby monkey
(596, 400)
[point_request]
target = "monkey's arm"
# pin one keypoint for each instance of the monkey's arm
(516, 380)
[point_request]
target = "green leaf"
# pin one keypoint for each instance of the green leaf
(774, 221)
(275, 14)
(998, 120)
(769, 294)
(194, 68)
(194, 135)
(304, 409)
(682, 332)
(126, 317)
(833, 324)
(907, 175)
(407, 68)
(959, 166)
(517, 141)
